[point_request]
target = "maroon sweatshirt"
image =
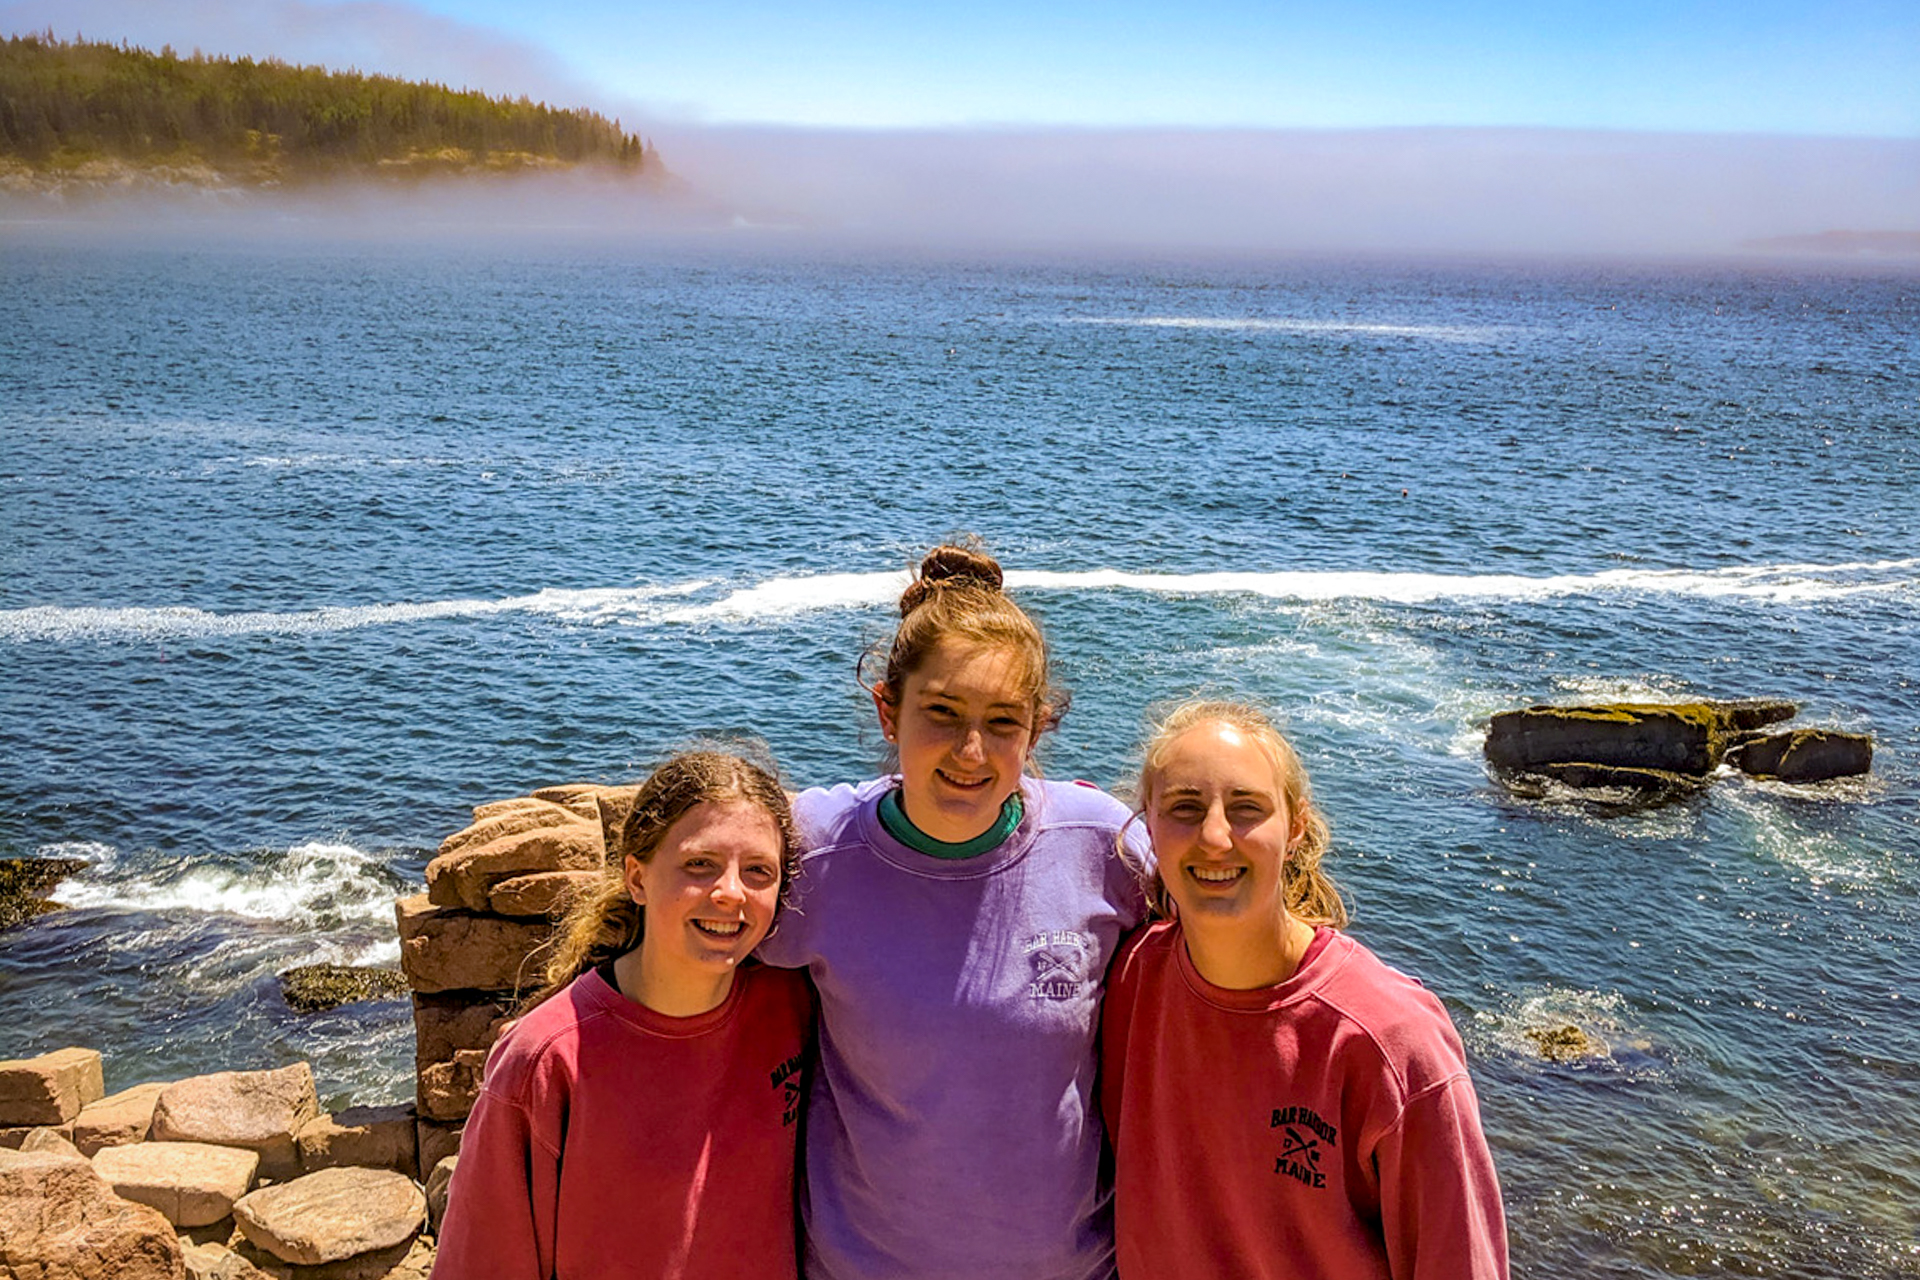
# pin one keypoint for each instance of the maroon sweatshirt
(1321, 1129)
(610, 1140)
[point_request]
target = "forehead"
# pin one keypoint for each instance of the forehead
(1215, 758)
(975, 672)
(725, 826)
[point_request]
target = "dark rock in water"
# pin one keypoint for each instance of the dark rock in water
(313, 987)
(1565, 1043)
(1579, 773)
(1678, 738)
(24, 883)
(1804, 755)
(1743, 715)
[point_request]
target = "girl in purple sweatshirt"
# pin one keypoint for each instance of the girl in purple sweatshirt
(958, 918)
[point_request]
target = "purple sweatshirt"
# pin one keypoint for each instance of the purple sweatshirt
(952, 1131)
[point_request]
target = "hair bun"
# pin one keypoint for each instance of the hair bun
(950, 565)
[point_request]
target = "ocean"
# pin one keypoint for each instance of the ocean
(313, 543)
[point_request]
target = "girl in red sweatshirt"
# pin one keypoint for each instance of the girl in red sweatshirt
(640, 1120)
(1281, 1103)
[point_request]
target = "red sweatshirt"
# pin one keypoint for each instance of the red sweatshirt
(613, 1141)
(1322, 1129)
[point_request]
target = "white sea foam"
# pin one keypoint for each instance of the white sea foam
(1283, 324)
(89, 851)
(1786, 584)
(319, 885)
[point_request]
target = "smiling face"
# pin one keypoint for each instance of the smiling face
(964, 723)
(708, 896)
(1221, 828)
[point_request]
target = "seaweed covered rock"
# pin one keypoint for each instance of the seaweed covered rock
(310, 988)
(1565, 1043)
(25, 882)
(1804, 755)
(1684, 738)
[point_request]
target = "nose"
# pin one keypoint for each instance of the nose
(728, 890)
(1216, 833)
(972, 748)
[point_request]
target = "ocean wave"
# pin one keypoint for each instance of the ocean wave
(317, 885)
(1249, 324)
(1789, 584)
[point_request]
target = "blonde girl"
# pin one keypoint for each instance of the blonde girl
(958, 916)
(1281, 1103)
(640, 1120)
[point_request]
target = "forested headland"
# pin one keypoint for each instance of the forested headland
(80, 110)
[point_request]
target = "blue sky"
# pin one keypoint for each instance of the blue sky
(1842, 67)
(1691, 65)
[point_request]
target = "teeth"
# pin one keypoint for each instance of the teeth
(1216, 875)
(719, 930)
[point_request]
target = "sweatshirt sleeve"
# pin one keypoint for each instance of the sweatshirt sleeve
(503, 1202)
(1440, 1205)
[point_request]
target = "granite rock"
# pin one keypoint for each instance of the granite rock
(333, 1214)
(364, 1137)
(192, 1183)
(60, 1221)
(442, 949)
(258, 1110)
(50, 1088)
(118, 1118)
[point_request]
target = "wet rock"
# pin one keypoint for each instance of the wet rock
(118, 1118)
(1744, 715)
(366, 1137)
(1804, 755)
(521, 841)
(25, 882)
(1620, 777)
(49, 1089)
(192, 1183)
(59, 1219)
(1565, 1043)
(258, 1110)
(1678, 738)
(442, 949)
(333, 1214)
(439, 1183)
(309, 988)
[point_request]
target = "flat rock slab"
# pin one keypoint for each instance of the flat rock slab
(1680, 738)
(193, 1183)
(333, 1214)
(59, 1219)
(49, 1089)
(259, 1110)
(538, 836)
(118, 1118)
(444, 949)
(543, 893)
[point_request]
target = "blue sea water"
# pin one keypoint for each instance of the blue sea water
(311, 545)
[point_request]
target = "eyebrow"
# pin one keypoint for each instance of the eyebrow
(1235, 794)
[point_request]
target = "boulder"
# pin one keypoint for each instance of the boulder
(442, 949)
(49, 1089)
(59, 1220)
(448, 1090)
(542, 893)
(25, 882)
(117, 1119)
(1678, 738)
(1804, 755)
(258, 1110)
(192, 1183)
(309, 988)
(333, 1214)
(549, 838)
(443, 1023)
(614, 804)
(438, 1140)
(13, 1136)
(51, 1140)
(439, 1183)
(367, 1137)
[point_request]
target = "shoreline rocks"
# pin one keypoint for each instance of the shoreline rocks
(25, 882)
(1649, 753)
(311, 988)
